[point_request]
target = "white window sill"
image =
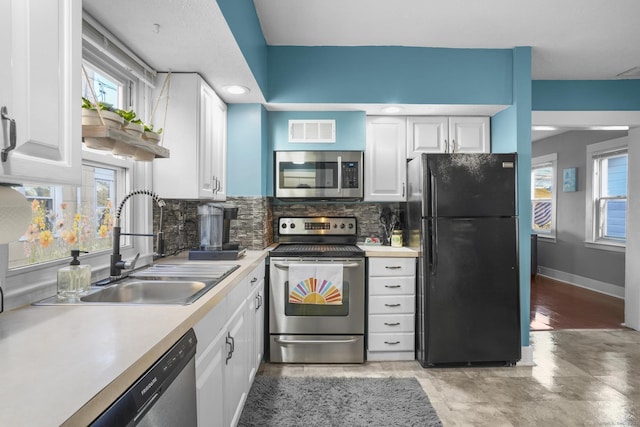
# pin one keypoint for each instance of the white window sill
(606, 246)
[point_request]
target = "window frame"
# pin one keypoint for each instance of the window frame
(596, 152)
(537, 162)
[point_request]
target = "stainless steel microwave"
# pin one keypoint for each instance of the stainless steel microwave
(318, 175)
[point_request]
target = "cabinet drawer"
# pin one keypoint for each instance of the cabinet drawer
(391, 323)
(392, 267)
(392, 285)
(391, 342)
(389, 304)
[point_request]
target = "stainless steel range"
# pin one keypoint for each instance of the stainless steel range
(317, 292)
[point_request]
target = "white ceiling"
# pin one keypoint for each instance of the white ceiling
(570, 39)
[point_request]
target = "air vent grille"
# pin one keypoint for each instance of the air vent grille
(312, 131)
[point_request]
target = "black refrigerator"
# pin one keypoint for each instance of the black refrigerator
(462, 218)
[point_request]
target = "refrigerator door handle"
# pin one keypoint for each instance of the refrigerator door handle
(433, 253)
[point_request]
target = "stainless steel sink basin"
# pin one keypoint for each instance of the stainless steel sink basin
(135, 291)
(159, 284)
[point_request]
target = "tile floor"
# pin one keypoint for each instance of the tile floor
(580, 377)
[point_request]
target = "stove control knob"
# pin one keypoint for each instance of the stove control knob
(284, 225)
(342, 225)
(350, 226)
(335, 225)
(292, 226)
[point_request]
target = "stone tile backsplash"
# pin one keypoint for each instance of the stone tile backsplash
(257, 219)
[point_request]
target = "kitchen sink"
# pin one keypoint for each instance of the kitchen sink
(136, 291)
(158, 284)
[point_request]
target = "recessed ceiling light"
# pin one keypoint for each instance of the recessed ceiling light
(236, 89)
(391, 109)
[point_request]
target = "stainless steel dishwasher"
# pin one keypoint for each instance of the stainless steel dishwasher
(164, 396)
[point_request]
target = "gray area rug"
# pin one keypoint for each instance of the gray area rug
(310, 401)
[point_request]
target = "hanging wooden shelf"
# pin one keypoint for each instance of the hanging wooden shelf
(121, 143)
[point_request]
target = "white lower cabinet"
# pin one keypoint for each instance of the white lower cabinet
(255, 305)
(226, 354)
(391, 312)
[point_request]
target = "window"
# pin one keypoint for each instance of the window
(68, 217)
(607, 194)
(543, 195)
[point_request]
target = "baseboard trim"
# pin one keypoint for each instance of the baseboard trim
(583, 282)
(526, 358)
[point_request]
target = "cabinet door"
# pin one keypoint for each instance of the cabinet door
(235, 376)
(206, 141)
(385, 159)
(428, 134)
(258, 340)
(469, 135)
(219, 149)
(210, 387)
(40, 65)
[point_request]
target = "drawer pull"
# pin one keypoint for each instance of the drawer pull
(392, 342)
(392, 324)
(392, 286)
(392, 305)
(392, 267)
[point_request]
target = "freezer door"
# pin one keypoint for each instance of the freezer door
(469, 185)
(471, 291)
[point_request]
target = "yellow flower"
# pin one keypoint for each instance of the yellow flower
(46, 238)
(103, 231)
(35, 205)
(77, 217)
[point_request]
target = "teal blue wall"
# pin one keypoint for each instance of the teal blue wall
(511, 132)
(389, 74)
(247, 161)
(244, 24)
(350, 130)
(585, 95)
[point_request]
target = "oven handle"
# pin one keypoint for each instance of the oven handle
(286, 266)
(285, 342)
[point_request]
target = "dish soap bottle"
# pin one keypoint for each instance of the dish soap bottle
(74, 279)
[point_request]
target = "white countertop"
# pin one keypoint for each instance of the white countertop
(64, 365)
(388, 251)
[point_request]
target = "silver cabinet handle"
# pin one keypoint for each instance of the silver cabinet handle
(254, 280)
(453, 145)
(392, 324)
(229, 341)
(392, 286)
(392, 267)
(392, 305)
(446, 146)
(403, 189)
(392, 342)
(12, 133)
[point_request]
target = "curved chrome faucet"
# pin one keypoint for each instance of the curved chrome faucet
(117, 264)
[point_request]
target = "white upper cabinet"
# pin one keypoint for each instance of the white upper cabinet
(40, 65)
(195, 132)
(427, 134)
(385, 165)
(441, 134)
(469, 135)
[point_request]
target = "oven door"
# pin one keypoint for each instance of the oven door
(317, 319)
(318, 174)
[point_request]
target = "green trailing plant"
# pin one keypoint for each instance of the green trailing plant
(100, 105)
(149, 128)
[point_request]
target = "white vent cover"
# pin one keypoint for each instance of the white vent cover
(308, 131)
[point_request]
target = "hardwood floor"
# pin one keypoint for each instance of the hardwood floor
(557, 305)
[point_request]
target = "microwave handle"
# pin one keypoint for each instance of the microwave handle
(339, 174)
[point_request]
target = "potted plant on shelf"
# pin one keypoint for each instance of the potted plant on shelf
(150, 135)
(91, 116)
(132, 125)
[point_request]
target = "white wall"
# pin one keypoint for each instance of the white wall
(632, 273)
